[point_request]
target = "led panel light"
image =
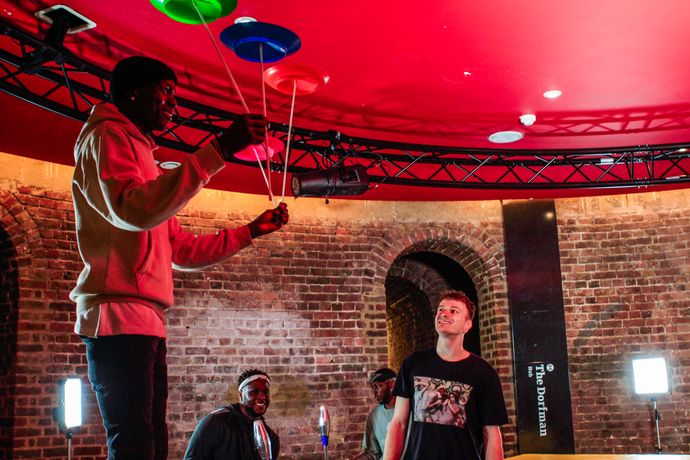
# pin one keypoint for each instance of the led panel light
(69, 412)
(650, 375)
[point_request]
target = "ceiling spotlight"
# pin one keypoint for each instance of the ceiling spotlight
(336, 181)
(505, 137)
(552, 93)
(528, 119)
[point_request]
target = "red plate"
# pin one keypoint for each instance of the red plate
(275, 145)
(283, 77)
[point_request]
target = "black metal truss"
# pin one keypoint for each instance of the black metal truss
(52, 77)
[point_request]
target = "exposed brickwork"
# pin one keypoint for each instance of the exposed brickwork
(413, 288)
(625, 282)
(479, 251)
(309, 305)
(40, 225)
(9, 307)
(409, 321)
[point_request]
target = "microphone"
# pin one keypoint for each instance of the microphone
(324, 424)
(262, 441)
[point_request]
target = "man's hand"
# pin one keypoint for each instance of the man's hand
(248, 130)
(269, 221)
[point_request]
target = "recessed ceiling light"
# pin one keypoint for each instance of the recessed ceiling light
(504, 137)
(242, 19)
(552, 93)
(169, 164)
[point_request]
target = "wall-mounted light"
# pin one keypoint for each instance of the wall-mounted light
(651, 378)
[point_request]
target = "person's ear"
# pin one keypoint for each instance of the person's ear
(133, 95)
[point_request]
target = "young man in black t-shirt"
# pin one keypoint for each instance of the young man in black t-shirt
(450, 398)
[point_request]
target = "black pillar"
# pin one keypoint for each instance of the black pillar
(535, 295)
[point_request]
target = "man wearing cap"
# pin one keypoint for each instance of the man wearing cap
(450, 399)
(130, 240)
(229, 432)
(376, 428)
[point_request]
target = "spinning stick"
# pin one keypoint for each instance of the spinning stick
(244, 104)
(267, 42)
(206, 11)
(296, 80)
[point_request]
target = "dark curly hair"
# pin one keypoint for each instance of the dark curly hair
(248, 373)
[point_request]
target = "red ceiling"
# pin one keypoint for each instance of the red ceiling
(397, 72)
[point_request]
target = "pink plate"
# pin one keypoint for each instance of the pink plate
(282, 77)
(275, 145)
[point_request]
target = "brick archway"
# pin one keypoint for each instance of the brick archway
(19, 238)
(480, 253)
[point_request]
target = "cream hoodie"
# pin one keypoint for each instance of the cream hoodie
(125, 205)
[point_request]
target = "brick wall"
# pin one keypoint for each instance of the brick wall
(308, 304)
(9, 307)
(625, 265)
(409, 320)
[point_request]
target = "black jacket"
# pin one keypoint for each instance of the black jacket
(227, 433)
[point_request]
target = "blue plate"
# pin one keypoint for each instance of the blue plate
(246, 38)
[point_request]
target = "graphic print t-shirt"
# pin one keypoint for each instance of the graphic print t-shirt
(450, 402)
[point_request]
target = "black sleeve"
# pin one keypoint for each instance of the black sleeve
(204, 440)
(492, 407)
(404, 386)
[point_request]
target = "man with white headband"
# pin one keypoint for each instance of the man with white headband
(228, 432)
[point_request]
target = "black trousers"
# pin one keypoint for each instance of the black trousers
(129, 375)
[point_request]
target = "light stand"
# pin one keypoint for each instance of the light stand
(651, 378)
(656, 423)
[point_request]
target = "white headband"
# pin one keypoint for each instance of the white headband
(250, 379)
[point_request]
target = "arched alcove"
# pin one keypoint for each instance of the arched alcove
(409, 324)
(9, 301)
(414, 284)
